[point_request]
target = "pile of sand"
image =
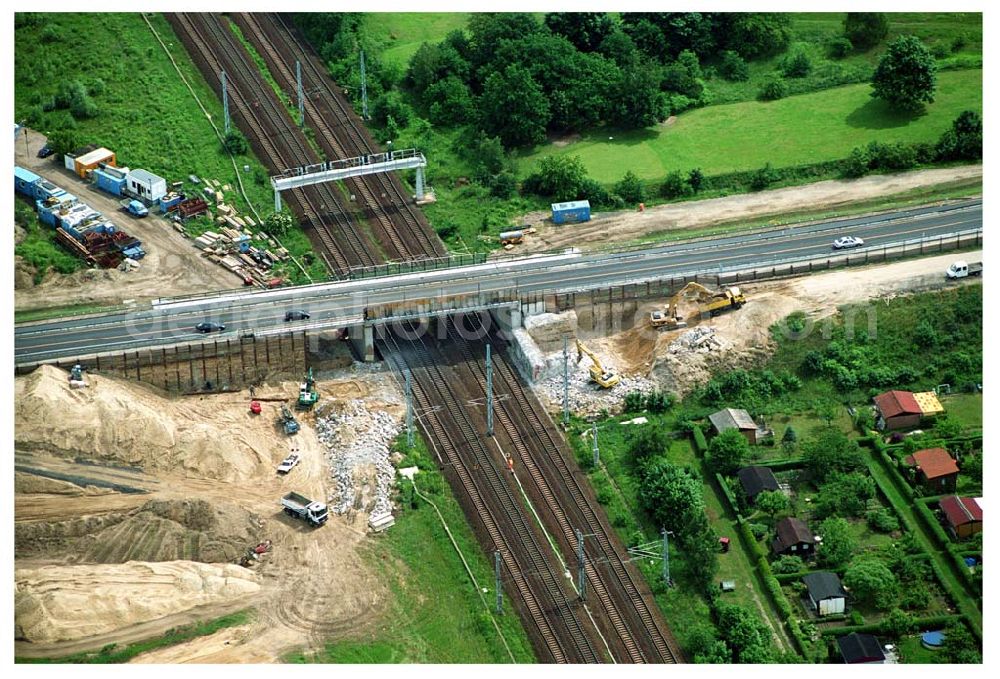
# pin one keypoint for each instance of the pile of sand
(124, 422)
(58, 603)
(160, 530)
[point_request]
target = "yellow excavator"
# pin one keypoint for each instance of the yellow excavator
(711, 303)
(605, 377)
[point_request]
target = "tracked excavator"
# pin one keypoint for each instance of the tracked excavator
(604, 377)
(711, 303)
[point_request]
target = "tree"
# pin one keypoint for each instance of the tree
(748, 638)
(960, 646)
(636, 101)
(235, 143)
(648, 442)
(558, 177)
(63, 141)
(278, 223)
(772, 502)
(621, 49)
(870, 581)
(514, 108)
(845, 495)
(706, 648)
(897, 623)
(673, 185)
(733, 67)
(696, 178)
(763, 178)
(866, 29)
(451, 102)
(964, 141)
(838, 542)
(905, 76)
(856, 164)
(756, 34)
(586, 30)
(630, 188)
(672, 496)
(828, 451)
(728, 451)
(789, 440)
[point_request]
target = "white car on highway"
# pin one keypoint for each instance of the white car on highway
(847, 242)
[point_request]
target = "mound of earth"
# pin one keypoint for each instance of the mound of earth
(125, 422)
(61, 603)
(30, 483)
(160, 530)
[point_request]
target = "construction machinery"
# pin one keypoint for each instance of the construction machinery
(711, 303)
(604, 377)
(307, 392)
(728, 298)
(288, 421)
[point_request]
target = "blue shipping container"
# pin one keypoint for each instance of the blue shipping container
(168, 202)
(574, 211)
(108, 182)
(46, 189)
(24, 181)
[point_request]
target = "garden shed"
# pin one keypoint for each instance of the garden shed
(897, 410)
(936, 470)
(860, 649)
(735, 418)
(826, 594)
(755, 480)
(964, 515)
(792, 536)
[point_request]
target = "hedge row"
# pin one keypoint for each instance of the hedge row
(744, 179)
(777, 595)
(728, 492)
(700, 444)
(945, 543)
(930, 622)
(785, 465)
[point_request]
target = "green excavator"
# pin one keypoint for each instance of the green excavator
(307, 392)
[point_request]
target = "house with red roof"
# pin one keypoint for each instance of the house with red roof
(936, 470)
(897, 410)
(963, 515)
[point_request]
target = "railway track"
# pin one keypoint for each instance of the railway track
(341, 134)
(626, 604)
(214, 48)
(541, 592)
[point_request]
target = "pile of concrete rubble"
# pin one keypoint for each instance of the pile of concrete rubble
(357, 440)
(701, 339)
(585, 396)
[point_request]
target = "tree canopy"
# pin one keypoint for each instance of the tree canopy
(728, 451)
(905, 77)
(870, 581)
(866, 29)
(838, 542)
(828, 451)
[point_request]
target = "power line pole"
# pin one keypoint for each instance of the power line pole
(666, 558)
(489, 392)
(409, 409)
(496, 560)
(565, 381)
(597, 450)
(364, 88)
(298, 84)
(225, 102)
(581, 574)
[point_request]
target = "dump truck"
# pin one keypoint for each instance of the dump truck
(299, 506)
(730, 298)
(962, 269)
(288, 421)
(604, 377)
(135, 208)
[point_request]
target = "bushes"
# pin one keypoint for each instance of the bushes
(700, 444)
(839, 48)
(772, 90)
(733, 67)
(763, 178)
(797, 64)
(673, 186)
(235, 143)
(882, 520)
(630, 188)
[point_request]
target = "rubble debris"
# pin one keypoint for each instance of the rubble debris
(702, 338)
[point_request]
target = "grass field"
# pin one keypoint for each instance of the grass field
(404, 32)
(436, 615)
(797, 130)
(113, 654)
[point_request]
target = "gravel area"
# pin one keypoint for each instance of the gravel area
(586, 397)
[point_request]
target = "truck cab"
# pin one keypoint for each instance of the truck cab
(961, 269)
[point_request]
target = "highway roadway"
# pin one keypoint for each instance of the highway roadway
(342, 303)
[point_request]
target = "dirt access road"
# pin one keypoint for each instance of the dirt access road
(196, 479)
(618, 227)
(172, 265)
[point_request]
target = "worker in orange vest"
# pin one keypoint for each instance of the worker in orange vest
(510, 463)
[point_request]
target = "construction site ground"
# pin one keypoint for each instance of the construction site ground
(648, 358)
(172, 265)
(132, 507)
(629, 226)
